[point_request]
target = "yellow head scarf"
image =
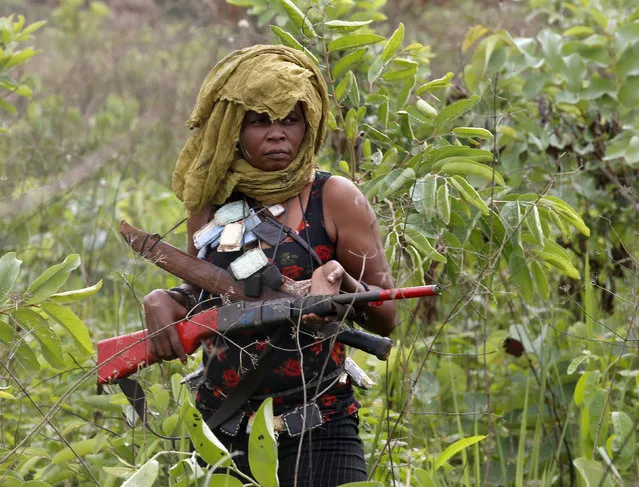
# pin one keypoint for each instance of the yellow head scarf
(265, 79)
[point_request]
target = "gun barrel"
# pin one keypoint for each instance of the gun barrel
(387, 294)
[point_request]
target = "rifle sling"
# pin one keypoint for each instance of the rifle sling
(247, 385)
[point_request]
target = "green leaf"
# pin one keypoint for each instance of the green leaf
(352, 41)
(470, 168)
(625, 436)
(592, 473)
(520, 273)
(341, 66)
(566, 212)
(424, 195)
(574, 72)
(578, 31)
(469, 193)
(342, 89)
(77, 294)
(628, 63)
(455, 448)
(533, 222)
(8, 107)
(344, 26)
(224, 480)
(394, 43)
(626, 35)
(423, 478)
(298, 18)
(19, 57)
(560, 263)
(74, 325)
(262, 452)
(377, 136)
(540, 279)
(51, 280)
(9, 270)
(551, 44)
(417, 239)
(426, 108)
(436, 84)
(81, 448)
(146, 476)
(39, 327)
(470, 132)
(598, 87)
(286, 38)
(452, 112)
(396, 180)
(204, 441)
(443, 203)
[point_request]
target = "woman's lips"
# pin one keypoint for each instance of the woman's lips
(277, 154)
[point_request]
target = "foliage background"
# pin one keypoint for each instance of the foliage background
(99, 118)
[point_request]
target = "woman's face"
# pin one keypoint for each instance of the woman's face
(272, 145)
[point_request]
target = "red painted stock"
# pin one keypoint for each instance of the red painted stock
(124, 355)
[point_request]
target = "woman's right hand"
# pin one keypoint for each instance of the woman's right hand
(161, 312)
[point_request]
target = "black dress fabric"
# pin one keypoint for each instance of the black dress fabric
(228, 358)
(332, 453)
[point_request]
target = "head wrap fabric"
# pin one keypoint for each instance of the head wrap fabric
(265, 79)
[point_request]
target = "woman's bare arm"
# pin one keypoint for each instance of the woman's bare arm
(352, 225)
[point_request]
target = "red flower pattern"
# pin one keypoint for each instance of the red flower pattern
(278, 401)
(328, 400)
(316, 348)
(324, 252)
(261, 345)
(231, 377)
(337, 354)
(291, 368)
(292, 271)
(352, 409)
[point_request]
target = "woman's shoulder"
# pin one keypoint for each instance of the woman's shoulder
(339, 190)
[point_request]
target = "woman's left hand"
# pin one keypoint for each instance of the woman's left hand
(327, 279)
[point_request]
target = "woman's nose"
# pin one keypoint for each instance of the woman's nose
(275, 132)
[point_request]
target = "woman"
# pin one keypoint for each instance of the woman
(261, 117)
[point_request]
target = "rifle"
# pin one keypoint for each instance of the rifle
(122, 356)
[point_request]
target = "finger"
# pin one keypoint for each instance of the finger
(176, 345)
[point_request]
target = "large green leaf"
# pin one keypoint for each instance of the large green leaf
(352, 41)
(298, 18)
(345, 62)
(224, 480)
(344, 26)
(628, 63)
(9, 269)
(204, 441)
(146, 476)
(51, 280)
(622, 445)
(424, 195)
(287, 38)
(592, 473)
(40, 328)
(76, 294)
(80, 448)
(574, 72)
(452, 112)
(551, 44)
(394, 43)
(262, 450)
(455, 448)
(396, 180)
(74, 325)
(417, 239)
(469, 193)
(520, 273)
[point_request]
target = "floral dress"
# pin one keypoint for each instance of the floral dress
(229, 358)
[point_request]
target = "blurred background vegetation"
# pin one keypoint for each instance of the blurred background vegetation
(90, 128)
